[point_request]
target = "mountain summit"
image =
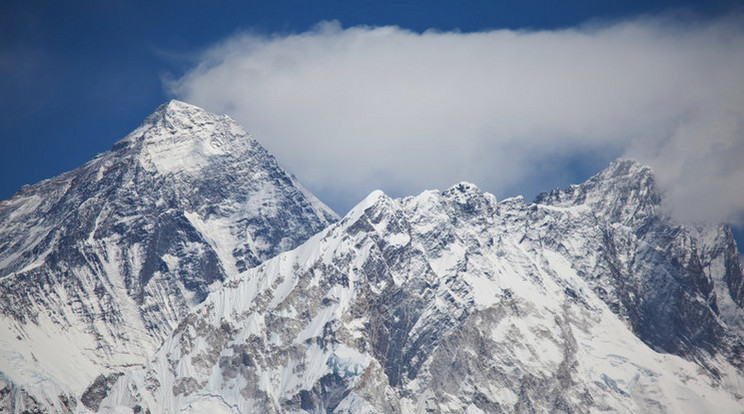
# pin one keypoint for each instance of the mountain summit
(99, 264)
(587, 300)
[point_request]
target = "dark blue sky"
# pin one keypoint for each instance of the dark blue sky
(76, 76)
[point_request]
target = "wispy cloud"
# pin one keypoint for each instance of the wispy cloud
(358, 108)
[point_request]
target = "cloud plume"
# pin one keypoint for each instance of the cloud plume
(353, 109)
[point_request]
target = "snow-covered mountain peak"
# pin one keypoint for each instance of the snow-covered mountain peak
(624, 191)
(448, 301)
(183, 138)
(174, 106)
(175, 115)
(462, 201)
(468, 199)
(626, 167)
(463, 187)
(374, 198)
(462, 191)
(108, 257)
(625, 175)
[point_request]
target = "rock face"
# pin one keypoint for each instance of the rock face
(590, 299)
(99, 264)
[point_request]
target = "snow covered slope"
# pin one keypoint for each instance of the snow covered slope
(588, 300)
(99, 264)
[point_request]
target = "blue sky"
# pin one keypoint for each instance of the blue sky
(77, 76)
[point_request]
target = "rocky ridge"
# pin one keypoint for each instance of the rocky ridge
(590, 299)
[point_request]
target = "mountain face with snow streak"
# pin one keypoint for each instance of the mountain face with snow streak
(588, 300)
(99, 264)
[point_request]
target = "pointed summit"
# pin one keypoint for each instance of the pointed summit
(626, 167)
(179, 112)
(625, 172)
(374, 198)
(623, 191)
(175, 107)
(177, 122)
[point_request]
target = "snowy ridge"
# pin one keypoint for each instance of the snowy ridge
(453, 302)
(99, 264)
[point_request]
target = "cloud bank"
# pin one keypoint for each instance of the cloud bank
(353, 109)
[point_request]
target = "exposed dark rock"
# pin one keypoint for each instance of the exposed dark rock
(98, 390)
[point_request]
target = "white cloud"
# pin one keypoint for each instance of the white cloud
(349, 110)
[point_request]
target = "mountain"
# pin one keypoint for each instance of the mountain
(590, 299)
(185, 271)
(98, 265)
